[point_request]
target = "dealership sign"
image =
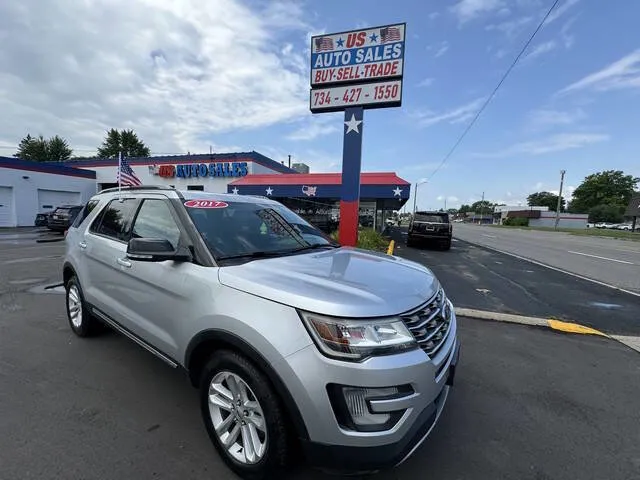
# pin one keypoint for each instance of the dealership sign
(192, 170)
(357, 57)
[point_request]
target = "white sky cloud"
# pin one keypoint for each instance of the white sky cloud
(427, 82)
(510, 28)
(467, 10)
(177, 72)
(561, 10)
(434, 15)
(541, 49)
(621, 74)
(548, 117)
(442, 50)
(315, 127)
(551, 144)
(455, 115)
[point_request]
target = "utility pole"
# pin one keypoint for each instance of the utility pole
(445, 204)
(482, 210)
(562, 172)
(415, 195)
(289, 161)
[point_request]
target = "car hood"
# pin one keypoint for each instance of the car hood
(345, 282)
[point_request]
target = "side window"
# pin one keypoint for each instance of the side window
(115, 220)
(84, 213)
(154, 220)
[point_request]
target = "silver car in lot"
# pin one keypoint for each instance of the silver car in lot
(295, 343)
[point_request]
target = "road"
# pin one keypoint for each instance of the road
(527, 404)
(478, 278)
(611, 261)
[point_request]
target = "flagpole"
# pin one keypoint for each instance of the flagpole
(119, 172)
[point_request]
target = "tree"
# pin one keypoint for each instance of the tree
(464, 209)
(482, 206)
(452, 211)
(39, 149)
(611, 187)
(546, 199)
(606, 213)
(126, 141)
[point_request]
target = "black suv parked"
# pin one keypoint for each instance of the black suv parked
(63, 216)
(432, 227)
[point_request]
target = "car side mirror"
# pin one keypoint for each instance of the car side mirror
(156, 250)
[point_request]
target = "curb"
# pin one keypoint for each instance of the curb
(566, 327)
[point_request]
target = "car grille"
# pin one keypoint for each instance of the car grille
(430, 324)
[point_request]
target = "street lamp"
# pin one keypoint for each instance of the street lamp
(415, 195)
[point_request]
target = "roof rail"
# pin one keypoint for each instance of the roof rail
(134, 188)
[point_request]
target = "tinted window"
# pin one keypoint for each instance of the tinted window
(241, 228)
(115, 220)
(154, 220)
(420, 217)
(86, 210)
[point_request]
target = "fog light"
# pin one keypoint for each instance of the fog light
(356, 400)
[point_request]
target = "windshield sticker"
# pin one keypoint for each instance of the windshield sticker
(205, 204)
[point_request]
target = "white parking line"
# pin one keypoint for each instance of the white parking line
(490, 236)
(601, 258)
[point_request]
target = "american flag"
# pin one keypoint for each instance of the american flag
(126, 175)
(389, 34)
(324, 43)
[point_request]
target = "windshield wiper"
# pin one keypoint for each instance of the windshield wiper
(313, 246)
(258, 254)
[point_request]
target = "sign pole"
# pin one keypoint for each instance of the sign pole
(351, 162)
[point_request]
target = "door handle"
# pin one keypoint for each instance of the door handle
(124, 262)
(83, 244)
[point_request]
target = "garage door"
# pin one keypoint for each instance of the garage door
(50, 199)
(6, 207)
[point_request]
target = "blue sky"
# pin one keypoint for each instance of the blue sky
(233, 74)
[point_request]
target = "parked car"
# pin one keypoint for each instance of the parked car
(62, 217)
(624, 226)
(42, 219)
(296, 343)
(431, 227)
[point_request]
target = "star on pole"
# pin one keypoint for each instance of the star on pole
(352, 125)
(269, 191)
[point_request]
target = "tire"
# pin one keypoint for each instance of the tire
(274, 448)
(81, 321)
(411, 242)
(447, 245)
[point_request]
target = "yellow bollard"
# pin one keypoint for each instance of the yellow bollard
(392, 244)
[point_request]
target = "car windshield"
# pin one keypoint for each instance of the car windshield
(432, 218)
(241, 229)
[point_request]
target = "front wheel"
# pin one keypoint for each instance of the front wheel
(244, 417)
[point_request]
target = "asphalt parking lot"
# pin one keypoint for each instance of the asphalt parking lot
(527, 404)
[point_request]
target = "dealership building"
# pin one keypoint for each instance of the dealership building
(28, 188)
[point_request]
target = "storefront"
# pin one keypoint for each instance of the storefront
(206, 172)
(316, 196)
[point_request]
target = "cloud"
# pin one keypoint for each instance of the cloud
(451, 198)
(568, 39)
(511, 28)
(315, 127)
(455, 115)
(621, 74)
(179, 73)
(553, 143)
(541, 49)
(433, 15)
(561, 10)
(442, 50)
(427, 82)
(467, 10)
(546, 117)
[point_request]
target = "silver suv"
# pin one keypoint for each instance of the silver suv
(295, 343)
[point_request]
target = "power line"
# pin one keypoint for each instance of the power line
(495, 90)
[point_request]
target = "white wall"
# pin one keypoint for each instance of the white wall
(567, 220)
(107, 174)
(25, 191)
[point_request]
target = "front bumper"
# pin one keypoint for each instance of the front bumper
(333, 447)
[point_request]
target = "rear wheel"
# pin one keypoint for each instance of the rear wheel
(446, 245)
(411, 242)
(81, 321)
(244, 417)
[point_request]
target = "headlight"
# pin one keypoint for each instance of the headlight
(357, 339)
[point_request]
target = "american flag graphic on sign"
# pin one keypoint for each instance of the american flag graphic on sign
(324, 43)
(126, 175)
(390, 34)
